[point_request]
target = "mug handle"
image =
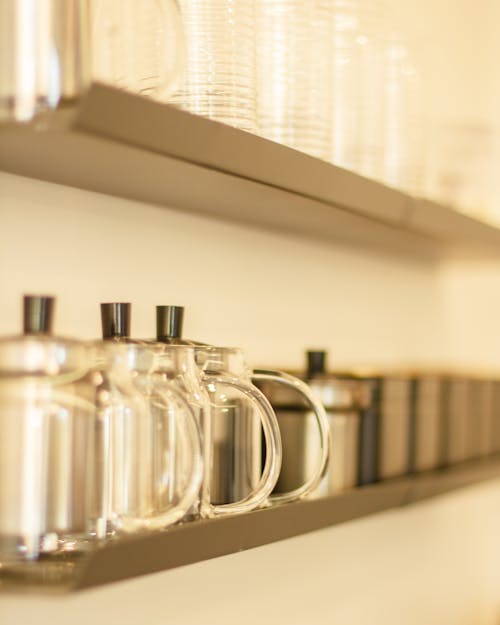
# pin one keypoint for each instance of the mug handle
(290, 381)
(272, 465)
(189, 430)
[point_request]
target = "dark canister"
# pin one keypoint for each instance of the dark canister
(342, 398)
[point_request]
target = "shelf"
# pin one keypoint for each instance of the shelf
(124, 145)
(205, 539)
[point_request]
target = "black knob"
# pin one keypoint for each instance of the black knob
(169, 322)
(38, 314)
(316, 362)
(115, 319)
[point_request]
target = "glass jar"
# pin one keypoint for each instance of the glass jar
(219, 80)
(138, 45)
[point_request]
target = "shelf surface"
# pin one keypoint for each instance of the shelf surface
(131, 147)
(205, 539)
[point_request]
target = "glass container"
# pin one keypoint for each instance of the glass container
(177, 369)
(219, 80)
(403, 165)
(138, 45)
(294, 50)
(356, 96)
(44, 56)
(234, 421)
(50, 483)
(156, 462)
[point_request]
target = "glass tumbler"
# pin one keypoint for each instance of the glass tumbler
(44, 56)
(403, 129)
(138, 45)
(356, 97)
(294, 54)
(219, 79)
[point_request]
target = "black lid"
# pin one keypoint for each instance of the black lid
(38, 314)
(169, 322)
(316, 362)
(115, 319)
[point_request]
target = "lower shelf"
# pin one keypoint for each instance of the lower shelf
(205, 539)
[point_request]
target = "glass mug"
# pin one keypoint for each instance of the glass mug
(233, 426)
(177, 367)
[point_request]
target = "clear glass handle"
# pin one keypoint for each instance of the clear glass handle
(186, 425)
(279, 377)
(272, 465)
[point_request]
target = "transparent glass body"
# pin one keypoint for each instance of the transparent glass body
(403, 165)
(294, 43)
(239, 414)
(357, 86)
(48, 477)
(219, 79)
(44, 56)
(155, 462)
(138, 45)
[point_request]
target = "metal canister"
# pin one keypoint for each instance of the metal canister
(456, 415)
(369, 407)
(394, 426)
(487, 412)
(495, 426)
(300, 438)
(427, 425)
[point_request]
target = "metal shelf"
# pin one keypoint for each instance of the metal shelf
(202, 540)
(131, 147)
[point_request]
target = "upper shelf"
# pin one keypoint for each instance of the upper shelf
(124, 145)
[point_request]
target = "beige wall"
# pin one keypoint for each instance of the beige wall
(274, 295)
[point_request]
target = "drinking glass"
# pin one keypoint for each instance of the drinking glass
(219, 80)
(294, 53)
(44, 56)
(138, 45)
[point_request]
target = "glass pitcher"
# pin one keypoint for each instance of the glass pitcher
(233, 423)
(178, 368)
(48, 419)
(155, 462)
